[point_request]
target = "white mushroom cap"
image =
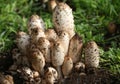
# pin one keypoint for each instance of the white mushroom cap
(51, 75)
(75, 48)
(64, 40)
(22, 41)
(63, 19)
(35, 20)
(91, 55)
(67, 66)
(57, 54)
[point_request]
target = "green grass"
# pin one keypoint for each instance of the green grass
(91, 20)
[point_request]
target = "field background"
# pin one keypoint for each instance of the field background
(92, 18)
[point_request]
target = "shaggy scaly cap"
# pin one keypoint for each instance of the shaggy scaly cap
(6, 79)
(51, 35)
(36, 33)
(35, 20)
(91, 55)
(51, 75)
(63, 19)
(37, 60)
(22, 41)
(64, 40)
(44, 46)
(57, 54)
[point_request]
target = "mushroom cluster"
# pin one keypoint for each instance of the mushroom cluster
(45, 56)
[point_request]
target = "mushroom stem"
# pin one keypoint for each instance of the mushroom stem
(42, 72)
(60, 76)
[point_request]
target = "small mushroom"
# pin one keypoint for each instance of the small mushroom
(37, 61)
(16, 55)
(44, 46)
(91, 55)
(51, 75)
(63, 19)
(35, 20)
(6, 79)
(36, 33)
(36, 74)
(22, 41)
(75, 48)
(44, 1)
(51, 5)
(18, 59)
(26, 73)
(112, 27)
(80, 67)
(30, 76)
(67, 66)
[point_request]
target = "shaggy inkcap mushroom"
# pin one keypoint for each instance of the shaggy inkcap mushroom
(57, 54)
(18, 59)
(51, 5)
(51, 35)
(63, 19)
(67, 66)
(44, 46)
(26, 73)
(36, 33)
(6, 79)
(80, 67)
(35, 20)
(64, 40)
(51, 76)
(75, 48)
(58, 57)
(22, 41)
(37, 61)
(91, 55)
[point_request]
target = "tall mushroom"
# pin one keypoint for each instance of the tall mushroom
(63, 19)
(75, 48)
(64, 40)
(58, 57)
